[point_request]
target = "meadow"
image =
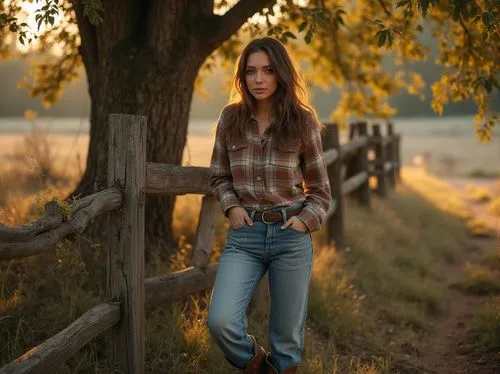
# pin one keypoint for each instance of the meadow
(373, 307)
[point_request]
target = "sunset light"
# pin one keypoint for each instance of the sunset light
(286, 186)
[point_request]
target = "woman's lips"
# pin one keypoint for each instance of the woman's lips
(259, 90)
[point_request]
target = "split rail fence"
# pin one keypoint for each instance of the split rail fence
(130, 177)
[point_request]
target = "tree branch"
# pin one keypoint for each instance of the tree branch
(384, 7)
(88, 48)
(205, 7)
(467, 32)
(219, 28)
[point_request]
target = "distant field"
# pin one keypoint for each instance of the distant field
(71, 149)
(442, 153)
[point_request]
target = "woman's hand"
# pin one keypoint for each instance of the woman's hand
(238, 216)
(296, 223)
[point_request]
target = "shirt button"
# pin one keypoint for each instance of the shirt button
(258, 178)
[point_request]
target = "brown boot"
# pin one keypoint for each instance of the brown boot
(256, 364)
(270, 369)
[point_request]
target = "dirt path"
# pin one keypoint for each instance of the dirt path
(448, 346)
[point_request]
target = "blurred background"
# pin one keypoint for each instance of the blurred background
(446, 144)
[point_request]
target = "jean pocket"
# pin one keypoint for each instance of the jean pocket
(239, 228)
(298, 231)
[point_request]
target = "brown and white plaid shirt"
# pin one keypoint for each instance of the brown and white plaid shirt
(256, 175)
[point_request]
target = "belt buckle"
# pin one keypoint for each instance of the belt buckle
(263, 217)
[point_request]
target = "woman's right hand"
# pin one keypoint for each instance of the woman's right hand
(238, 216)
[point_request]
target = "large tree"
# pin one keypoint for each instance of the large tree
(144, 57)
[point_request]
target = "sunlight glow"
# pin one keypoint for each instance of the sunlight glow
(256, 18)
(28, 15)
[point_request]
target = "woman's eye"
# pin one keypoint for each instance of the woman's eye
(269, 71)
(249, 72)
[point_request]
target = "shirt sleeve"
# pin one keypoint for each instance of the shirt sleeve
(317, 185)
(220, 177)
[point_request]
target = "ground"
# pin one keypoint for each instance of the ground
(449, 348)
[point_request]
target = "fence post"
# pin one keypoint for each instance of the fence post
(391, 154)
(205, 232)
(364, 190)
(379, 162)
(398, 157)
(335, 224)
(125, 276)
(351, 165)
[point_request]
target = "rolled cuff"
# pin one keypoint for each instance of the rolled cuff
(310, 219)
(229, 200)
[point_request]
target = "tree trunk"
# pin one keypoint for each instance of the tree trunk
(143, 59)
(166, 103)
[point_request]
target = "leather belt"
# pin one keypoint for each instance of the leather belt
(273, 217)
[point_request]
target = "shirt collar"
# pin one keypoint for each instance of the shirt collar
(254, 131)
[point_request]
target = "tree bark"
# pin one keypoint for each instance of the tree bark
(143, 59)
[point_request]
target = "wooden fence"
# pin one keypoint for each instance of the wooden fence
(130, 177)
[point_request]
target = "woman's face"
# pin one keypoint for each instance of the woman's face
(260, 78)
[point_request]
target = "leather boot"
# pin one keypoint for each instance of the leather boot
(257, 363)
(270, 369)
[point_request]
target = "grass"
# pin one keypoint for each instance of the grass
(480, 280)
(478, 227)
(367, 305)
(478, 194)
(484, 279)
(447, 199)
(494, 206)
(493, 259)
(396, 255)
(436, 191)
(486, 327)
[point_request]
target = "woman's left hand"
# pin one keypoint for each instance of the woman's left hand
(296, 223)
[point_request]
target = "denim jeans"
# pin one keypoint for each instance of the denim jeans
(250, 252)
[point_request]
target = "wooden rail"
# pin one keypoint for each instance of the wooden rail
(63, 345)
(129, 179)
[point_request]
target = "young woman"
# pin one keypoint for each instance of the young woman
(268, 173)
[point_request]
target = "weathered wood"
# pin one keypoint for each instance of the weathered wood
(391, 155)
(380, 140)
(330, 156)
(354, 182)
(176, 180)
(177, 285)
(165, 179)
(353, 146)
(205, 232)
(378, 173)
(349, 159)
(335, 224)
(83, 213)
(380, 159)
(52, 218)
(47, 356)
(398, 157)
(364, 192)
(125, 277)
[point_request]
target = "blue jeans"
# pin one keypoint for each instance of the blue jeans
(250, 252)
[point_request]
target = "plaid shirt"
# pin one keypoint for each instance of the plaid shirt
(256, 175)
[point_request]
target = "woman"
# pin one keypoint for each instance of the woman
(268, 173)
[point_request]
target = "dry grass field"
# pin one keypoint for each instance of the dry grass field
(373, 308)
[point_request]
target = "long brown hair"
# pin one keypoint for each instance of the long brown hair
(294, 117)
